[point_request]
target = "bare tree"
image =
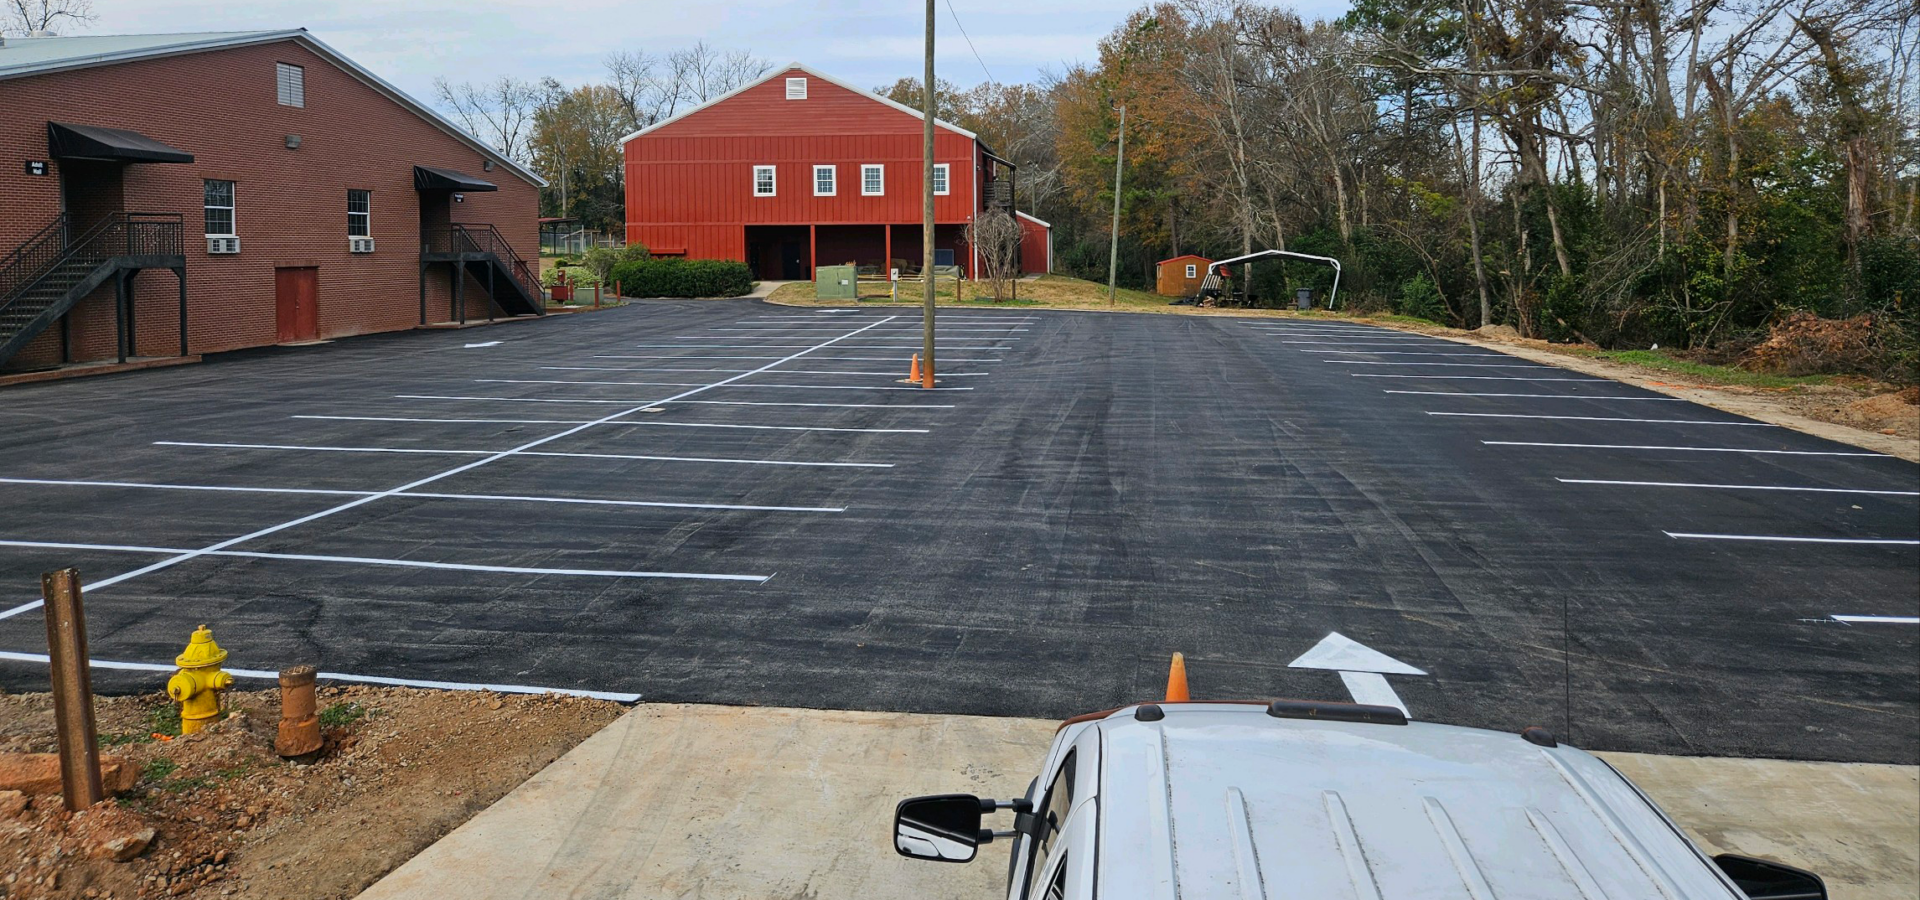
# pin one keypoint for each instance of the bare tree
(43, 16)
(995, 237)
(499, 112)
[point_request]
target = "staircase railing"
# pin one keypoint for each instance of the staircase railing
(119, 234)
(471, 238)
(34, 256)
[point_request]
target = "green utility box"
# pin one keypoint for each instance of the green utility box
(836, 283)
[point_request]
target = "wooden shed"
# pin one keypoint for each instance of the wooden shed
(1180, 276)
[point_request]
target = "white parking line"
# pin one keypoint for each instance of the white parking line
(827, 405)
(341, 676)
(882, 374)
(490, 497)
(545, 453)
(1601, 419)
(54, 482)
(1739, 487)
(1394, 343)
(1469, 377)
(1533, 396)
(1405, 353)
(1691, 449)
(1375, 362)
(382, 561)
(1790, 540)
(772, 427)
(1877, 620)
(221, 546)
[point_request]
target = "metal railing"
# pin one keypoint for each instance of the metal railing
(470, 238)
(119, 234)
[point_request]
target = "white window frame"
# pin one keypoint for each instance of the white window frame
(873, 167)
(833, 181)
(942, 179)
(290, 85)
(232, 207)
(1193, 270)
(800, 93)
(366, 216)
(773, 181)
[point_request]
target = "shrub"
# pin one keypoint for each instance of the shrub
(601, 260)
(676, 277)
(1420, 299)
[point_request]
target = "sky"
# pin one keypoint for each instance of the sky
(867, 42)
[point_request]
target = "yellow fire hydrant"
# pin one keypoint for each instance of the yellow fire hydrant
(197, 686)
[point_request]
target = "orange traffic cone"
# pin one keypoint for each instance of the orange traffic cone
(913, 374)
(1177, 680)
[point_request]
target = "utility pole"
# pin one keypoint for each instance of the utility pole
(926, 224)
(1113, 254)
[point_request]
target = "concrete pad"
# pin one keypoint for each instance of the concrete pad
(1856, 825)
(680, 800)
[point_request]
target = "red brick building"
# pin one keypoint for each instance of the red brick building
(256, 186)
(799, 170)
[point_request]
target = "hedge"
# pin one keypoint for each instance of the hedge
(675, 277)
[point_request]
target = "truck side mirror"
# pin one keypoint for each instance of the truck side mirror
(944, 827)
(1764, 879)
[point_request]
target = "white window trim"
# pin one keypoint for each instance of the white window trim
(800, 83)
(233, 207)
(368, 214)
(943, 174)
(873, 167)
(773, 181)
(1193, 270)
(833, 178)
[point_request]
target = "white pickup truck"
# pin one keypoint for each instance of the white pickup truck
(1307, 800)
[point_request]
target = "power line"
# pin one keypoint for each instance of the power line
(963, 35)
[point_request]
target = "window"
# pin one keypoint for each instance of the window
(796, 89)
(219, 204)
(763, 181)
(1193, 270)
(1053, 811)
(873, 180)
(939, 178)
(360, 214)
(823, 181)
(1058, 889)
(290, 82)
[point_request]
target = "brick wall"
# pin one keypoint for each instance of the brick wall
(290, 204)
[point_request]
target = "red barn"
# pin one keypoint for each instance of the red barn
(799, 170)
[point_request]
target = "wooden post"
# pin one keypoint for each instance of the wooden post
(72, 690)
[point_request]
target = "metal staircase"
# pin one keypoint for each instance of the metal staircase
(484, 253)
(44, 278)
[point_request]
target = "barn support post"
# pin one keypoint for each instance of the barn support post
(886, 267)
(181, 274)
(813, 252)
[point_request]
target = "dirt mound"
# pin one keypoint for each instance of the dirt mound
(1805, 344)
(1885, 413)
(1498, 332)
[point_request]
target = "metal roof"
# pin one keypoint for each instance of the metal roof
(1215, 797)
(26, 56)
(781, 73)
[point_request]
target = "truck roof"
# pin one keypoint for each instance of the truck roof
(1224, 800)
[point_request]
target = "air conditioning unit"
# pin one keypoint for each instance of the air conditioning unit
(359, 245)
(223, 245)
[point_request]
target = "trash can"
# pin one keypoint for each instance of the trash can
(1303, 298)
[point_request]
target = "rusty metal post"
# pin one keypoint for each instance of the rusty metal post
(299, 724)
(72, 690)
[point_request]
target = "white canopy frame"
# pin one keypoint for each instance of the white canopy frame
(1220, 267)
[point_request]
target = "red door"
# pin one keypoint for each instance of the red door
(296, 295)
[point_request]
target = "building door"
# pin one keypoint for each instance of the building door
(296, 301)
(793, 261)
(89, 192)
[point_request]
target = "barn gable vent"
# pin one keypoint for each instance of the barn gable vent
(290, 84)
(796, 89)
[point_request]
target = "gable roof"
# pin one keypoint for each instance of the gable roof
(782, 73)
(22, 57)
(1181, 257)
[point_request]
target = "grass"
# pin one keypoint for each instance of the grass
(1664, 362)
(340, 715)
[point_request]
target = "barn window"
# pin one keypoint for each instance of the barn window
(219, 208)
(1193, 271)
(940, 178)
(763, 181)
(796, 89)
(823, 181)
(873, 180)
(290, 84)
(360, 214)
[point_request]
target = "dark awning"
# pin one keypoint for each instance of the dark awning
(65, 141)
(428, 178)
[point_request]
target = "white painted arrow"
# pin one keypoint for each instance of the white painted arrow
(484, 344)
(1361, 667)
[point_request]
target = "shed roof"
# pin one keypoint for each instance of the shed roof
(1181, 257)
(782, 73)
(22, 57)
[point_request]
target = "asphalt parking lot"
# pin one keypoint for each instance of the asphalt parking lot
(734, 502)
